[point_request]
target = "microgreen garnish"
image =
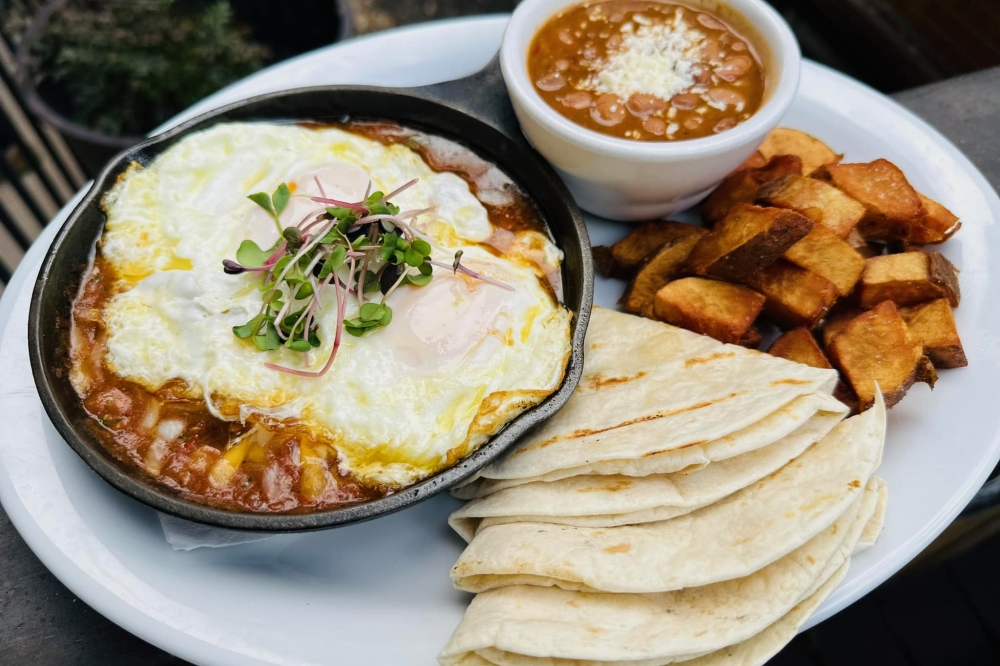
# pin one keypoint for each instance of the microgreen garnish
(365, 249)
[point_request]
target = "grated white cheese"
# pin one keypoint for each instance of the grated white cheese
(656, 60)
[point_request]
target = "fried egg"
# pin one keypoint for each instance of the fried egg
(460, 358)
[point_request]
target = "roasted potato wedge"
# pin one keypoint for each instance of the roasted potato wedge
(659, 269)
(836, 322)
(876, 346)
(800, 346)
(795, 296)
(937, 226)
(746, 240)
(892, 206)
(826, 255)
(742, 186)
(625, 257)
(751, 339)
(933, 325)
(787, 141)
(821, 202)
(755, 161)
(907, 279)
(721, 310)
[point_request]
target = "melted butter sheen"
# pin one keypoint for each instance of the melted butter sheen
(398, 404)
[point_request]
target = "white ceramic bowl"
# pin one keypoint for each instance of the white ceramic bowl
(623, 179)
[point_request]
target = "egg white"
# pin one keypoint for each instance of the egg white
(460, 358)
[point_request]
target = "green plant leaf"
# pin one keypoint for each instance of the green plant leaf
(374, 197)
(280, 198)
(419, 280)
(299, 345)
(263, 200)
(246, 330)
(422, 246)
(333, 262)
(371, 282)
(371, 311)
(305, 291)
(386, 317)
(379, 209)
(250, 254)
(340, 212)
(398, 257)
(426, 269)
(413, 258)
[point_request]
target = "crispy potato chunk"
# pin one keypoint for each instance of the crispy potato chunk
(836, 322)
(755, 161)
(862, 246)
(937, 226)
(721, 310)
(891, 204)
(746, 240)
(820, 202)
(795, 296)
(876, 346)
(659, 269)
(751, 339)
(787, 141)
(933, 325)
(826, 255)
(907, 279)
(742, 186)
(800, 346)
(625, 257)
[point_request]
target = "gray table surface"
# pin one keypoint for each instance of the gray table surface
(41, 622)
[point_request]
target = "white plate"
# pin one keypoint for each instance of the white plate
(380, 591)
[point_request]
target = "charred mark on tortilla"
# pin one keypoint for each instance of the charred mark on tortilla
(586, 432)
(599, 381)
(708, 359)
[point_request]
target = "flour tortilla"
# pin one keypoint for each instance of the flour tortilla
(752, 652)
(729, 539)
(551, 622)
(873, 530)
(649, 388)
(610, 501)
(768, 430)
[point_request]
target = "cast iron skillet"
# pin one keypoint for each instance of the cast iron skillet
(475, 112)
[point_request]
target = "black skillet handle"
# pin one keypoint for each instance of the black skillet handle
(482, 95)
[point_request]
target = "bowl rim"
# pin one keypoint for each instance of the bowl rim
(133, 481)
(764, 18)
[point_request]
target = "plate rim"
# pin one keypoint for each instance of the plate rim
(178, 642)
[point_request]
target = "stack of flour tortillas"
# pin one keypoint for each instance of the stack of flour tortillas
(693, 502)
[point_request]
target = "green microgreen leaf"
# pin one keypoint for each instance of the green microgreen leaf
(371, 282)
(388, 245)
(346, 224)
(371, 311)
(295, 275)
(263, 200)
(298, 345)
(374, 197)
(269, 341)
(305, 291)
(418, 280)
(250, 254)
(421, 246)
(340, 212)
(313, 338)
(398, 257)
(246, 330)
(403, 244)
(333, 262)
(413, 258)
(292, 235)
(280, 198)
(280, 266)
(379, 209)
(359, 241)
(426, 269)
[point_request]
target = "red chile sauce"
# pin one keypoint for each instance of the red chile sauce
(293, 472)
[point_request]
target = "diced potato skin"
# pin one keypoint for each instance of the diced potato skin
(933, 325)
(937, 226)
(836, 322)
(628, 254)
(795, 297)
(908, 278)
(891, 204)
(874, 347)
(746, 240)
(751, 339)
(800, 346)
(821, 202)
(787, 141)
(604, 260)
(826, 255)
(721, 310)
(742, 186)
(658, 270)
